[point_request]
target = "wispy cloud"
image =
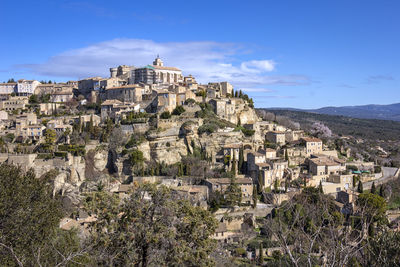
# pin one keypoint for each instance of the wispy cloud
(345, 85)
(206, 60)
(379, 78)
(264, 90)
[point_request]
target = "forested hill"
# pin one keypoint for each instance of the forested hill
(342, 125)
(380, 112)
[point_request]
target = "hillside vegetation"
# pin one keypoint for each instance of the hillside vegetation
(364, 128)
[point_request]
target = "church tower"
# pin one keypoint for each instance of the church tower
(158, 61)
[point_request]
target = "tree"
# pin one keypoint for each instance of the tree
(259, 183)
(360, 187)
(276, 186)
(29, 222)
(178, 110)
(382, 191)
(320, 188)
(286, 155)
(310, 223)
(11, 80)
(33, 99)
(373, 188)
(373, 207)
(152, 227)
(261, 255)
(233, 194)
(241, 160)
(165, 115)
(49, 139)
(233, 168)
(136, 158)
(255, 196)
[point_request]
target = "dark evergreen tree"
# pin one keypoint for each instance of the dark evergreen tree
(360, 187)
(320, 189)
(373, 188)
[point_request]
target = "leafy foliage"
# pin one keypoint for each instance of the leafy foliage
(153, 228)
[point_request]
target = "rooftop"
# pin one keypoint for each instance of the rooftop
(311, 139)
(228, 181)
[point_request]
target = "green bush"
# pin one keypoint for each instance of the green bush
(377, 169)
(165, 115)
(240, 252)
(178, 110)
(208, 128)
(190, 101)
(351, 168)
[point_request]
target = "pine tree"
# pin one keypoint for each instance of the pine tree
(286, 155)
(236, 94)
(360, 187)
(373, 188)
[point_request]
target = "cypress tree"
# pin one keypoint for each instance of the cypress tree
(241, 159)
(260, 185)
(360, 187)
(255, 196)
(320, 189)
(373, 188)
(261, 256)
(276, 186)
(382, 191)
(233, 169)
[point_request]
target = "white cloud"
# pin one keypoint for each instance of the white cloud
(207, 61)
(257, 66)
(264, 90)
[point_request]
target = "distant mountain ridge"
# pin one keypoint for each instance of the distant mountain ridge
(380, 112)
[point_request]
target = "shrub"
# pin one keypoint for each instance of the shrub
(208, 128)
(351, 168)
(165, 115)
(178, 110)
(240, 252)
(190, 101)
(377, 169)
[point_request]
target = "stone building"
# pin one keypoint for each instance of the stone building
(166, 101)
(156, 74)
(313, 145)
(295, 135)
(26, 87)
(127, 93)
(14, 103)
(221, 184)
(7, 89)
(221, 89)
(326, 166)
(114, 109)
(61, 96)
(276, 137)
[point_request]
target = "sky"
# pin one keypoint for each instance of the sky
(283, 53)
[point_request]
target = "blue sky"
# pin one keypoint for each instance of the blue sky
(304, 54)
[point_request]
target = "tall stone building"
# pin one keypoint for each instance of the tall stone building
(156, 74)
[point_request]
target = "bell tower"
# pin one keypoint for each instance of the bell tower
(158, 61)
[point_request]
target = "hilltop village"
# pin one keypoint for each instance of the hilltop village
(206, 142)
